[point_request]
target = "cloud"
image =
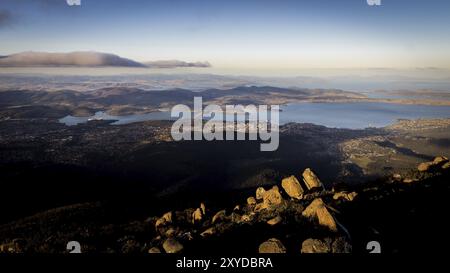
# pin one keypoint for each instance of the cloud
(6, 18)
(176, 63)
(88, 59)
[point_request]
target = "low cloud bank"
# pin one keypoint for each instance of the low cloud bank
(176, 63)
(89, 59)
(86, 59)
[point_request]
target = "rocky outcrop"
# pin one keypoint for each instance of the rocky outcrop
(272, 246)
(308, 224)
(317, 212)
(311, 180)
(438, 162)
(292, 187)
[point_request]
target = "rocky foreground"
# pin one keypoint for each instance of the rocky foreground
(296, 216)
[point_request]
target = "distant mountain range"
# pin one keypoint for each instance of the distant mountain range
(86, 59)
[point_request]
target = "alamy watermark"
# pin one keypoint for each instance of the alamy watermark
(73, 2)
(374, 2)
(237, 122)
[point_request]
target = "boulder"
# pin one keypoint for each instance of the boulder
(165, 219)
(274, 221)
(397, 176)
(446, 166)
(172, 246)
(203, 208)
(197, 216)
(292, 187)
(219, 216)
(171, 232)
(425, 166)
(311, 180)
(251, 201)
(315, 246)
(210, 231)
(345, 195)
(271, 199)
(260, 193)
(317, 212)
(440, 160)
(272, 246)
(154, 250)
(408, 180)
(246, 218)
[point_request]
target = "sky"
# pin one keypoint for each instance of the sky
(243, 34)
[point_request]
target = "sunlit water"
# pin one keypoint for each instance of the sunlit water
(336, 115)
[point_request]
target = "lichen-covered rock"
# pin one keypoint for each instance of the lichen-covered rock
(311, 180)
(272, 245)
(317, 212)
(292, 187)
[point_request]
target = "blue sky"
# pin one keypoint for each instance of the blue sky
(260, 34)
